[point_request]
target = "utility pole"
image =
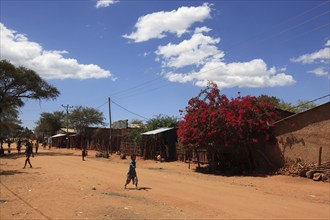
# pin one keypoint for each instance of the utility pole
(109, 100)
(66, 107)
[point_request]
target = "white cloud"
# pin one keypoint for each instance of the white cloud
(198, 50)
(17, 49)
(105, 3)
(156, 25)
(247, 74)
(322, 56)
(319, 71)
(327, 44)
(201, 52)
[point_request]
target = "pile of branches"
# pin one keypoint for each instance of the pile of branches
(301, 168)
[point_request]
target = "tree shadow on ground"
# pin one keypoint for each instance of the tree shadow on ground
(46, 153)
(52, 153)
(13, 155)
(11, 172)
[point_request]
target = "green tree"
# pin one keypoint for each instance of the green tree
(160, 121)
(22, 132)
(9, 121)
(49, 123)
(299, 107)
(270, 99)
(17, 84)
(83, 117)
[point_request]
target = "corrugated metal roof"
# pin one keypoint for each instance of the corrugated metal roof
(70, 130)
(157, 131)
(58, 135)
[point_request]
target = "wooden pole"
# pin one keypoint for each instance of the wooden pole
(320, 156)
(110, 132)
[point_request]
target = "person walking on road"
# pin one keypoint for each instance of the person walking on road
(28, 153)
(131, 175)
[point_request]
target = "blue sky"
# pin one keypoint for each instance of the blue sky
(151, 57)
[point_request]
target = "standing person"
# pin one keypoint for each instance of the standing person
(28, 153)
(9, 143)
(19, 146)
(36, 144)
(44, 144)
(131, 175)
(2, 151)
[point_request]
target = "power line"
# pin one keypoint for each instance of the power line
(271, 27)
(137, 86)
(102, 105)
(305, 103)
(129, 110)
(307, 32)
(144, 90)
(127, 93)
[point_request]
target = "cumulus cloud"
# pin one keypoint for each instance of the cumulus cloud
(252, 74)
(327, 44)
(201, 52)
(105, 3)
(156, 25)
(20, 51)
(198, 50)
(321, 56)
(320, 71)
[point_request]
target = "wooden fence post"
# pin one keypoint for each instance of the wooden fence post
(320, 156)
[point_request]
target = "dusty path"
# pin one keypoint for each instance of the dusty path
(62, 186)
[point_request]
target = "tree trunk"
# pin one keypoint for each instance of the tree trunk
(251, 159)
(197, 157)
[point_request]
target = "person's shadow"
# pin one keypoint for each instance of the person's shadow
(140, 188)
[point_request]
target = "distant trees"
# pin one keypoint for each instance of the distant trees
(160, 121)
(83, 117)
(16, 85)
(49, 123)
(299, 107)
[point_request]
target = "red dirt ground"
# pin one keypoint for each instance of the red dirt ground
(62, 186)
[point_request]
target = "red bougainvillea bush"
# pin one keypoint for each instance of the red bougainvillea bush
(212, 121)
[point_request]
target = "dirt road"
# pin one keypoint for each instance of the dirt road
(62, 186)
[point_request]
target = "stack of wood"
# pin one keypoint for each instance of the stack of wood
(319, 172)
(311, 171)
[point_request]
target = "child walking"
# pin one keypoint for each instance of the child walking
(131, 175)
(28, 153)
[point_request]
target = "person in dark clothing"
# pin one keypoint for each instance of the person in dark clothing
(19, 146)
(84, 151)
(131, 175)
(37, 146)
(28, 153)
(9, 143)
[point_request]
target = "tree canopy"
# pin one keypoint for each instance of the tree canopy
(213, 122)
(50, 123)
(83, 117)
(162, 121)
(301, 105)
(16, 85)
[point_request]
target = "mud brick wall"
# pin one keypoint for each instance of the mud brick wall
(302, 135)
